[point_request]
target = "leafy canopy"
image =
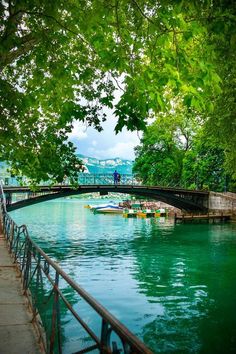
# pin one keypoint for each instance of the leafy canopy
(176, 151)
(66, 60)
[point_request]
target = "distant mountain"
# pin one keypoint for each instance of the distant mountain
(94, 165)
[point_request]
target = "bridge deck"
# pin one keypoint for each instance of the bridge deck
(94, 187)
(189, 200)
(17, 333)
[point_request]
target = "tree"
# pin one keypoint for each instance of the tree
(221, 123)
(159, 158)
(203, 165)
(177, 150)
(64, 61)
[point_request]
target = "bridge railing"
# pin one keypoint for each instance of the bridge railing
(47, 287)
(83, 178)
(100, 178)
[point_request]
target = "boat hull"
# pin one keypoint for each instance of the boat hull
(111, 209)
(108, 211)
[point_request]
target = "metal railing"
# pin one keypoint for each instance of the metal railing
(47, 287)
(83, 178)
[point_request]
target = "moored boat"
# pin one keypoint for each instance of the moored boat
(146, 213)
(129, 213)
(93, 207)
(87, 206)
(108, 208)
(161, 212)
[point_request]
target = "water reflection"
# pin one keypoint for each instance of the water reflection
(173, 285)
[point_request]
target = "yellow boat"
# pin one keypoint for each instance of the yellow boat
(146, 213)
(160, 212)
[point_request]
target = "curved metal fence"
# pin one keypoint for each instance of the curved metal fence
(47, 287)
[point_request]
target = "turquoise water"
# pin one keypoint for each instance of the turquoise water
(174, 286)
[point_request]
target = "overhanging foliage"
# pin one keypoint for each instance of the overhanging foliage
(64, 60)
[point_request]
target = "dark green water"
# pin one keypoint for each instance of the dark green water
(174, 286)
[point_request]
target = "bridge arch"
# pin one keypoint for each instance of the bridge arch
(187, 200)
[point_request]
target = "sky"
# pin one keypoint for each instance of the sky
(105, 144)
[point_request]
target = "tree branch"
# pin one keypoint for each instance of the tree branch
(41, 14)
(27, 43)
(11, 25)
(10, 7)
(141, 11)
(117, 82)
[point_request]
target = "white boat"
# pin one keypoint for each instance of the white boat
(108, 208)
(93, 207)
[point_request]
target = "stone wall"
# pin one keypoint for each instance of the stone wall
(222, 202)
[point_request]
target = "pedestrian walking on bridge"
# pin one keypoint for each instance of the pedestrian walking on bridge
(115, 175)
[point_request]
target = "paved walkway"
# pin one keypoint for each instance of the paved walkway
(17, 335)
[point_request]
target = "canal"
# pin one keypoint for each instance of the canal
(174, 286)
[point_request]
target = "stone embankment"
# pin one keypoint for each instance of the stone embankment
(222, 202)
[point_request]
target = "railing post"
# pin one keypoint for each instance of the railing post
(106, 347)
(28, 246)
(4, 223)
(39, 272)
(55, 319)
(105, 337)
(11, 238)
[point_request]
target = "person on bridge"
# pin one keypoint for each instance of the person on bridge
(115, 175)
